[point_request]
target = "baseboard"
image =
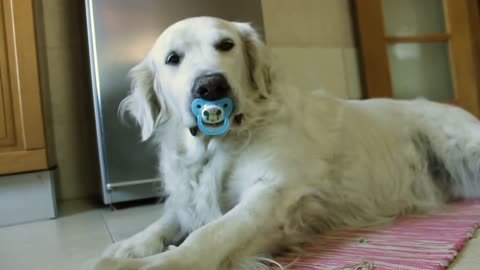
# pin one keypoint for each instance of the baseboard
(27, 197)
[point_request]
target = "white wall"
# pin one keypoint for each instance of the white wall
(313, 41)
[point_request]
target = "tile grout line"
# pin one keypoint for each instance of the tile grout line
(354, 89)
(108, 229)
(346, 74)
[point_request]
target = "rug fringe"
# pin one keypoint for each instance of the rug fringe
(363, 265)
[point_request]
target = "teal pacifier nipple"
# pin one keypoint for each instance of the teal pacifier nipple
(212, 115)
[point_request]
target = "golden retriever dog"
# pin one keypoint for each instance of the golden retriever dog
(291, 164)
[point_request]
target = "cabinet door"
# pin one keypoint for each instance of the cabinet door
(420, 48)
(22, 140)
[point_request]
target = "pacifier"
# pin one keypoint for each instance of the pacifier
(212, 115)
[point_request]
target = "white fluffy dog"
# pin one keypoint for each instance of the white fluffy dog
(291, 164)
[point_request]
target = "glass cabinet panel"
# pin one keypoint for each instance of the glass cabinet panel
(421, 70)
(413, 17)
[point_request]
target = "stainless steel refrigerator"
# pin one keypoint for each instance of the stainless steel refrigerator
(120, 32)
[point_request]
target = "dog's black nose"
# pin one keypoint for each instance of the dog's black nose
(211, 87)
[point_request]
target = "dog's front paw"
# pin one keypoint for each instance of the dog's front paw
(169, 260)
(135, 247)
(115, 264)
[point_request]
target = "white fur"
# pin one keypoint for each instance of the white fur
(298, 164)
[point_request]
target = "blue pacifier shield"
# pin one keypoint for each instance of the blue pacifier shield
(212, 115)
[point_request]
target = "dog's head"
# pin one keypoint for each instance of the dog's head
(200, 57)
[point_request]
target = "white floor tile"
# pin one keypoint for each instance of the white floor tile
(65, 243)
(126, 222)
(469, 257)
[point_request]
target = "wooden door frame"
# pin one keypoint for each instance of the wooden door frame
(376, 81)
(474, 16)
(462, 53)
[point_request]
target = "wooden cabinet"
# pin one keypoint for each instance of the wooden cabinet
(426, 48)
(22, 137)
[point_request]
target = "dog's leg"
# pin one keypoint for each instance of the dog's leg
(154, 239)
(253, 227)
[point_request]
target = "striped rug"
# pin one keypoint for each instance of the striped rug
(415, 242)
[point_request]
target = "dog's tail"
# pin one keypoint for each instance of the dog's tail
(464, 166)
(451, 150)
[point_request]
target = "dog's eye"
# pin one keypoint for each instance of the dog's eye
(173, 59)
(225, 45)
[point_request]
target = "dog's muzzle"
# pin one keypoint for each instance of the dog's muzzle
(211, 87)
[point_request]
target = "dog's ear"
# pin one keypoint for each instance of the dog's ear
(143, 102)
(257, 57)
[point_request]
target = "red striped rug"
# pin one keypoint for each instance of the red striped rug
(415, 242)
